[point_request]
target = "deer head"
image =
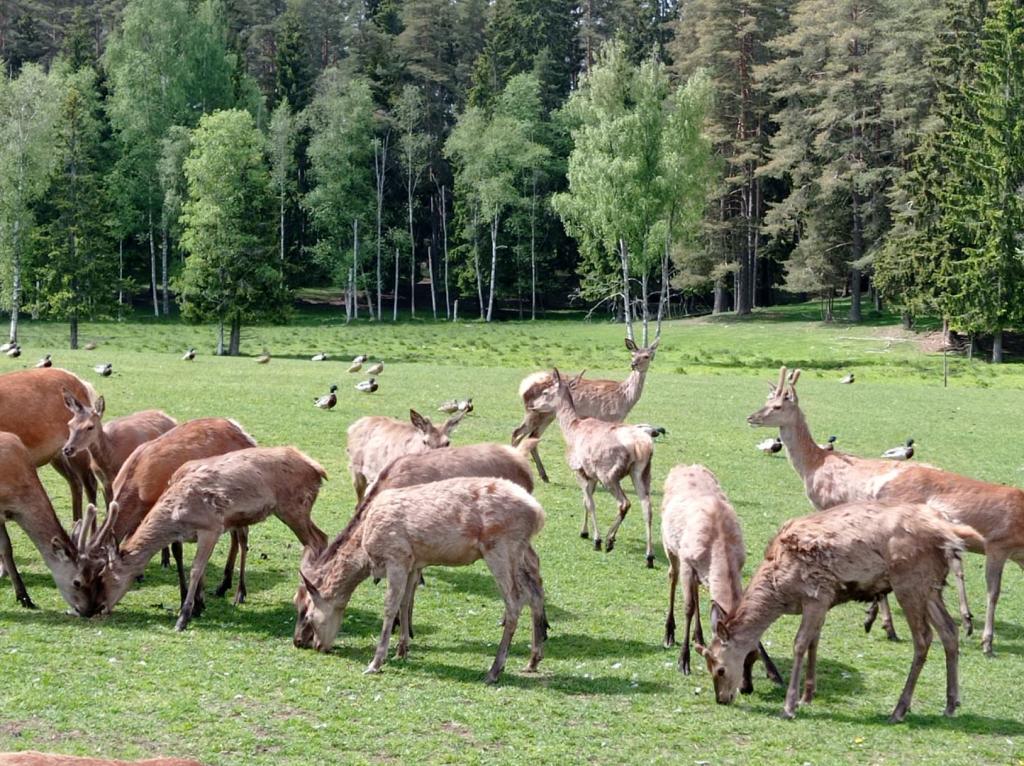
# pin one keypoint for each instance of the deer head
(642, 356)
(435, 437)
(782, 408)
(557, 394)
(318, 621)
(98, 580)
(725, 658)
(85, 424)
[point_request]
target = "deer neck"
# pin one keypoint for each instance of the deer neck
(804, 453)
(759, 606)
(345, 570)
(631, 388)
(40, 524)
(724, 582)
(100, 454)
(567, 417)
(150, 536)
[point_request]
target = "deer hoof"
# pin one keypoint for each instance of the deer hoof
(373, 667)
(597, 544)
(890, 633)
(609, 545)
(968, 621)
(585, 534)
(650, 562)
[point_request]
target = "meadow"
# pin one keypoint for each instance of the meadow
(233, 690)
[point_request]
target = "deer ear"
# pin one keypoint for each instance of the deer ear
(576, 381)
(718, 618)
(701, 649)
(99, 406)
(307, 581)
(71, 402)
(630, 345)
(62, 551)
(419, 421)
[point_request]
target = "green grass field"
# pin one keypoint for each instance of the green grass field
(233, 690)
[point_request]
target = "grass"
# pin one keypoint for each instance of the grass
(233, 690)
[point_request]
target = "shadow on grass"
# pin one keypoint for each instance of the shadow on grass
(482, 584)
(966, 723)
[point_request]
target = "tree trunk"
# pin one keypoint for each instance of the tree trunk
(394, 296)
(73, 332)
(908, 321)
(220, 336)
(997, 346)
(412, 254)
(120, 275)
(380, 158)
(494, 266)
(720, 304)
(476, 263)
(152, 266)
(644, 308)
(236, 335)
(627, 309)
(533, 250)
(430, 259)
(163, 260)
(444, 240)
(665, 296)
(742, 277)
(15, 280)
(856, 251)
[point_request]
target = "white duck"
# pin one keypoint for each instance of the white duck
(321, 357)
(904, 452)
(770, 446)
(367, 386)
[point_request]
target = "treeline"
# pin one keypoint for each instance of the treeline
(633, 155)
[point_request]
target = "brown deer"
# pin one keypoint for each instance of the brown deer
(454, 522)
(35, 758)
(495, 460)
(704, 544)
(106, 446)
(855, 551)
(600, 451)
(607, 400)
(375, 441)
(204, 499)
(24, 501)
(831, 478)
(32, 408)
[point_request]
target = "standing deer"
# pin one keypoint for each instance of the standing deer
(204, 499)
(704, 544)
(599, 451)
(446, 523)
(607, 400)
(375, 441)
(857, 551)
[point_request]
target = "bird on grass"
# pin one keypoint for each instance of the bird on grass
(321, 357)
(903, 452)
(327, 401)
(770, 446)
(847, 378)
(90, 346)
(45, 362)
(367, 386)
(263, 358)
(360, 359)
(7, 346)
(830, 445)
(356, 365)
(653, 431)
(104, 369)
(15, 352)
(456, 405)
(189, 355)
(375, 369)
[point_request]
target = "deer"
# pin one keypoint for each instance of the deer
(375, 441)
(704, 545)
(607, 400)
(24, 502)
(146, 473)
(454, 522)
(601, 451)
(856, 551)
(204, 499)
(32, 408)
(35, 758)
(106, 446)
(831, 478)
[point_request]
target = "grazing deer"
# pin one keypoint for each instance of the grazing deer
(106, 446)
(704, 544)
(375, 441)
(600, 451)
(204, 499)
(24, 501)
(607, 400)
(831, 478)
(454, 522)
(146, 473)
(32, 408)
(854, 551)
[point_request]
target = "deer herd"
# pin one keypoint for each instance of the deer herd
(877, 528)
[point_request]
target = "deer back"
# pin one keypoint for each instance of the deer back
(32, 407)
(127, 433)
(375, 441)
(499, 461)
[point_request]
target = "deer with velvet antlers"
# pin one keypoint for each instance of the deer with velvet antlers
(607, 400)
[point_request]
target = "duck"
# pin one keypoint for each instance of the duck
(90, 346)
(903, 452)
(7, 346)
(45, 362)
(104, 369)
(263, 358)
(367, 386)
(456, 405)
(356, 366)
(653, 431)
(189, 355)
(770, 446)
(847, 378)
(360, 359)
(375, 369)
(15, 352)
(327, 401)
(830, 445)
(321, 357)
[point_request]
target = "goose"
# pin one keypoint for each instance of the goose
(45, 362)
(375, 369)
(770, 446)
(456, 405)
(830, 445)
(355, 366)
(904, 452)
(15, 352)
(90, 346)
(189, 355)
(321, 357)
(847, 378)
(327, 401)
(263, 358)
(367, 386)
(653, 431)
(104, 369)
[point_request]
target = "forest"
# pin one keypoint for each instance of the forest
(442, 159)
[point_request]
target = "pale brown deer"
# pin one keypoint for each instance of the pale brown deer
(454, 522)
(375, 441)
(600, 451)
(704, 546)
(607, 400)
(204, 499)
(856, 551)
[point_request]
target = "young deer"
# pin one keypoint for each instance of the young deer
(599, 451)
(704, 543)
(24, 501)
(855, 551)
(375, 441)
(454, 522)
(204, 499)
(607, 400)
(104, 447)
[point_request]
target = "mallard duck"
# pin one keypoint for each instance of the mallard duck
(15, 352)
(653, 431)
(189, 355)
(45, 362)
(360, 359)
(770, 446)
(904, 452)
(367, 386)
(263, 358)
(90, 346)
(355, 366)
(104, 369)
(321, 357)
(830, 445)
(456, 405)
(327, 401)
(847, 378)
(375, 369)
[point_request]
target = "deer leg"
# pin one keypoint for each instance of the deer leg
(398, 576)
(810, 629)
(994, 563)
(956, 564)
(242, 542)
(402, 651)
(770, 670)
(581, 480)
(811, 679)
(165, 558)
(179, 563)
(939, 616)
(921, 632)
(534, 587)
(616, 489)
(507, 578)
(642, 485)
(65, 469)
(887, 623)
(670, 619)
(229, 567)
(588, 486)
(870, 615)
(535, 453)
(7, 559)
(204, 549)
(691, 607)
